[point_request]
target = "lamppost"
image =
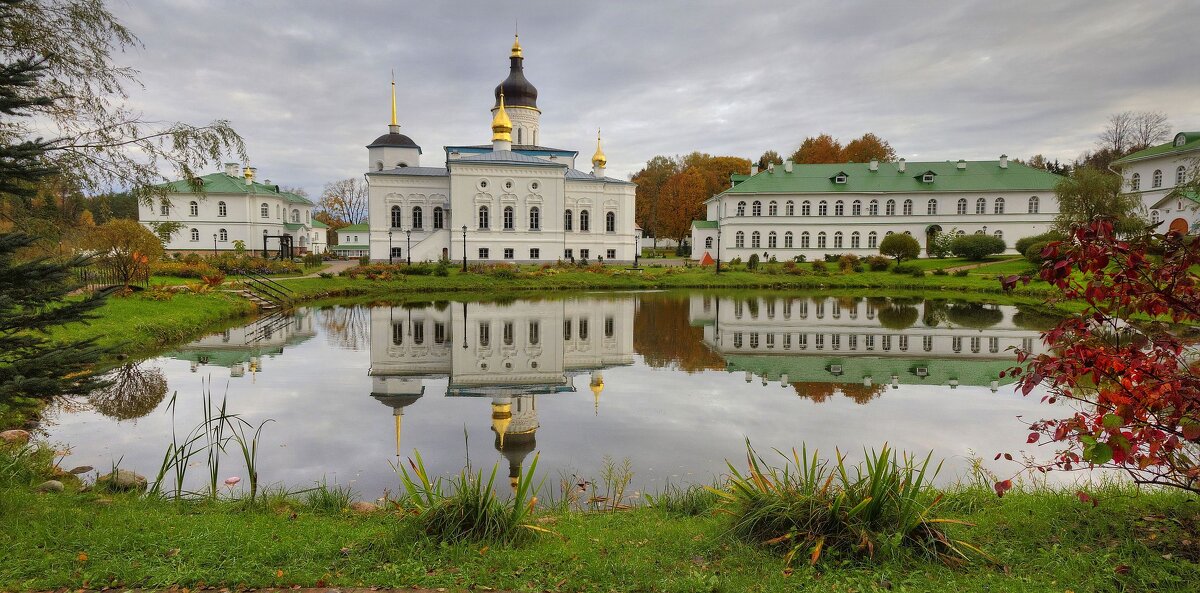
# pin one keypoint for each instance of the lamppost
(214, 244)
(718, 250)
(389, 248)
(408, 236)
(637, 249)
(464, 248)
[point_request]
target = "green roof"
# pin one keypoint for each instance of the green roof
(816, 369)
(1190, 141)
(704, 224)
(362, 226)
(349, 247)
(220, 183)
(316, 224)
(293, 226)
(977, 176)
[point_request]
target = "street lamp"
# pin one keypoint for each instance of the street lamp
(408, 236)
(214, 244)
(718, 250)
(464, 248)
(390, 248)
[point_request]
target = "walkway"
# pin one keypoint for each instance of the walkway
(981, 264)
(335, 267)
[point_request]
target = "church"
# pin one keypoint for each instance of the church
(514, 200)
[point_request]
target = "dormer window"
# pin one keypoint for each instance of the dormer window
(926, 177)
(840, 178)
(1180, 139)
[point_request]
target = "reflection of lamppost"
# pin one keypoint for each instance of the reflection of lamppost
(214, 243)
(718, 249)
(464, 325)
(389, 248)
(464, 248)
(408, 235)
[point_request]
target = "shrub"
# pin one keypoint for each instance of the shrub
(819, 266)
(1033, 252)
(961, 273)
(737, 261)
(752, 263)
(939, 244)
(183, 270)
(905, 269)
(977, 247)
(847, 262)
(858, 268)
(789, 265)
(1022, 245)
(800, 258)
(900, 246)
(917, 273)
(325, 275)
(941, 272)
(878, 263)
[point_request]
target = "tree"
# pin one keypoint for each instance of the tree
(866, 148)
(1131, 131)
(130, 392)
(125, 247)
(1132, 377)
(899, 246)
(682, 199)
(822, 149)
(977, 247)
(1091, 193)
(649, 181)
(939, 243)
(345, 200)
(769, 157)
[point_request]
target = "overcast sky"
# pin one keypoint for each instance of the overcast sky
(306, 82)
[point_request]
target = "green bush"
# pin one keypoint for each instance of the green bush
(819, 266)
(878, 263)
(183, 270)
(1033, 252)
(900, 246)
(962, 273)
(1022, 244)
(977, 247)
(847, 262)
(752, 263)
(941, 272)
(905, 269)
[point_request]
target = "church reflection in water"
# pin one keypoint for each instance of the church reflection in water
(244, 349)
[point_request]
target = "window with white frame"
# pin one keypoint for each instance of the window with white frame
(854, 240)
(755, 240)
(804, 240)
(567, 219)
(223, 235)
(856, 208)
(195, 234)
(264, 211)
(610, 222)
(873, 208)
(772, 240)
(998, 206)
(741, 208)
(708, 242)
(821, 240)
(397, 218)
(535, 218)
(418, 218)
(981, 206)
(889, 208)
(439, 217)
(805, 208)
(1034, 204)
(1180, 175)
(164, 208)
(508, 218)
(1135, 182)
(772, 208)
(739, 240)
(931, 207)
(872, 240)
(1156, 179)
(962, 205)
(193, 209)
(222, 209)
(484, 218)
(839, 209)
(756, 208)
(585, 221)
(837, 240)
(908, 208)
(822, 208)
(790, 208)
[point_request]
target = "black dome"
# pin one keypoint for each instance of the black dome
(394, 139)
(518, 92)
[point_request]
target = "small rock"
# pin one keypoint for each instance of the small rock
(83, 469)
(361, 506)
(50, 486)
(16, 436)
(123, 480)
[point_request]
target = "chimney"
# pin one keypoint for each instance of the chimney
(1004, 161)
(900, 165)
(962, 165)
(231, 169)
(874, 164)
(770, 167)
(787, 166)
(754, 169)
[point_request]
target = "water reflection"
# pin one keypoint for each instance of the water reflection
(130, 392)
(242, 349)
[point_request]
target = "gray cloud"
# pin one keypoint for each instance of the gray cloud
(306, 83)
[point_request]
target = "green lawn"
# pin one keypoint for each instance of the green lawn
(139, 323)
(1016, 266)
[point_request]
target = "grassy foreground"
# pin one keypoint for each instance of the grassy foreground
(1043, 541)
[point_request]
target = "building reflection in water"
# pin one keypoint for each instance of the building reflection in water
(243, 349)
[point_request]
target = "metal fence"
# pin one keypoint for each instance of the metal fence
(98, 276)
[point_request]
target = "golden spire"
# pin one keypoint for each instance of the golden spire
(398, 416)
(516, 48)
(501, 125)
(599, 159)
(394, 98)
(597, 387)
(501, 418)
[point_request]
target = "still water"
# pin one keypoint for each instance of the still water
(673, 382)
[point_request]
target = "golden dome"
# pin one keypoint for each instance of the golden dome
(516, 48)
(501, 124)
(599, 159)
(501, 418)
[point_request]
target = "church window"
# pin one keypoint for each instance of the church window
(998, 206)
(195, 235)
(222, 209)
(773, 208)
(741, 209)
(931, 207)
(821, 240)
(822, 208)
(610, 327)
(772, 240)
(439, 333)
(397, 218)
(583, 328)
(223, 235)
(837, 240)
(873, 208)
(755, 240)
(1156, 179)
(439, 217)
(535, 219)
(1155, 216)
(398, 333)
(999, 234)
(418, 218)
(535, 333)
(756, 208)
(585, 222)
(788, 239)
(164, 208)
(519, 138)
(804, 240)
(508, 218)
(708, 242)
(962, 205)
(295, 215)
(1180, 175)
(994, 345)
(485, 334)
(975, 345)
(856, 208)
(484, 220)
(889, 208)
(908, 207)
(507, 333)
(739, 240)
(960, 233)
(805, 208)
(981, 206)
(839, 208)
(567, 220)
(193, 209)
(927, 343)
(789, 209)
(872, 240)
(854, 240)
(1135, 182)
(567, 329)
(264, 210)
(610, 222)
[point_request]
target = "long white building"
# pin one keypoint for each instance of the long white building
(813, 210)
(513, 200)
(1164, 177)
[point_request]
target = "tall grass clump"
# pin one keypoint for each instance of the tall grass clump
(689, 501)
(467, 508)
(881, 507)
(329, 499)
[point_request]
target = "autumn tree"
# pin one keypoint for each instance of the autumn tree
(665, 337)
(1091, 193)
(682, 201)
(716, 169)
(769, 157)
(345, 201)
(126, 247)
(649, 181)
(868, 147)
(821, 149)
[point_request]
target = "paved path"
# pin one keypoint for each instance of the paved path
(981, 264)
(335, 268)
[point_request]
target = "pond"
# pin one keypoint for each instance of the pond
(674, 382)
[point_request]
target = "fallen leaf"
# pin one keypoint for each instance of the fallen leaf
(83, 557)
(278, 574)
(173, 552)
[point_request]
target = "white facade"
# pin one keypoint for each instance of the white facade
(231, 208)
(1155, 175)
(318, 238)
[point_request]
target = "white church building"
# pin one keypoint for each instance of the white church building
(1164, 177)
(513, 200)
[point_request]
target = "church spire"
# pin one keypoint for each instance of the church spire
(394, 127)
(599, 161)
(501, 128)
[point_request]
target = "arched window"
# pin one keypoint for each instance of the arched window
(585, 222)
(756, 208)
(772, 240)
(418, 218)
(739, 240)
(535, 219)
(308, 216)
(295, 216)
(872, 240)
(931, 207)
(378, 165)
(708, 242)
(519, 130)
(508, 218)
(195, 234)
(567, 220)
(193, 209)
(856, 208)
(960, 233)
(788, 242)
(484, 219)
(772, 208)
(1155, 216)
(741, 210)
(962, 205)
(1034, 203)
(804, 240)
(805, 208)
(822, 208)
(397, 218)
(998, 206)
(164, 208)
(264, 210)
(1180, 175)
(889, 208)
(223, 235)
(439, 217)
(981, 206)
(854, 240)
(999, 234)
(222, 209)
(873, 208)
(790, 208)
(837, 240)
(755, 240)
(610, 221)
(839, 209)
(907, 208)
(1156, 180)
(821, 240)
(1135, 182)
